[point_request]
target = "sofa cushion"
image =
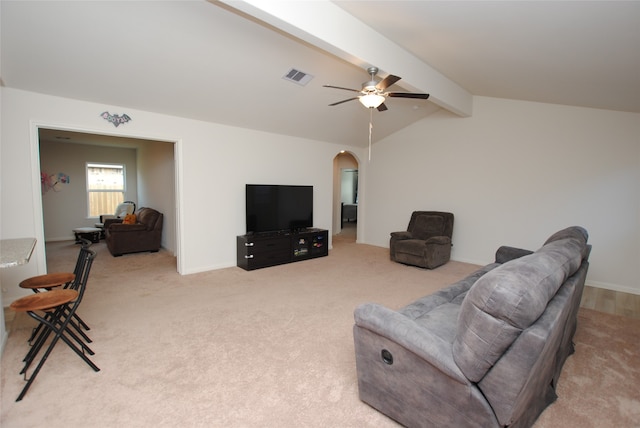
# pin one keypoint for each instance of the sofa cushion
(427, 225)
(411, 246)
(455, 293)
(576, 232)
(438, 312)
(508, 299)
(148, 217)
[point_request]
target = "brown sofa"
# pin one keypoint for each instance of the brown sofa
(144, 235)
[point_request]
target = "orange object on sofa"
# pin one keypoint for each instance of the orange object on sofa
(129, 219)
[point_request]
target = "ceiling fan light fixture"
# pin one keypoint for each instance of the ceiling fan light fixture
(371, 100)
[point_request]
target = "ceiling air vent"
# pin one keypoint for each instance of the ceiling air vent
(297, 76)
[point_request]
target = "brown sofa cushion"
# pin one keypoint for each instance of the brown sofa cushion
(427, 225)
(148, 217)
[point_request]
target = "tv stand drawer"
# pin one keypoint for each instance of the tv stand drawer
(255, 246)
(261, 260)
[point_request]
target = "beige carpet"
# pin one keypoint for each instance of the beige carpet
(268, 348)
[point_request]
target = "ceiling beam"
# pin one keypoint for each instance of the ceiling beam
(325, 25)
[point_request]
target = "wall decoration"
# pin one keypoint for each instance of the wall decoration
(53, 181)
(116, 119)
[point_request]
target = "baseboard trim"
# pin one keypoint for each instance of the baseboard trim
(63, 238)
(613, 287)
(596, 284)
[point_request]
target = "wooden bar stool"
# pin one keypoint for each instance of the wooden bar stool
(58, 307)
(47, 281)
(55, 279)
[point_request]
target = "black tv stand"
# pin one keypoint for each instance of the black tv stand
(260, 250)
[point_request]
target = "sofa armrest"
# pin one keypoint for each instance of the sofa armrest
(112, 220)
(408, 334)
(401, 235)
(127, 228)
(505, 253)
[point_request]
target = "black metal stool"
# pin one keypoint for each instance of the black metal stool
(59, 307)
(53, 280)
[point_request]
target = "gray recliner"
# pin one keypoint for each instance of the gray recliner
(426, 242)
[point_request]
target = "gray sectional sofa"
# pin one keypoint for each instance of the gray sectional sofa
(486, 351)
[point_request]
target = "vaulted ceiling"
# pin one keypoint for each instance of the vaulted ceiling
(224, 61)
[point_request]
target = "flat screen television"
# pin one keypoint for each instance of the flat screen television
(277, 208)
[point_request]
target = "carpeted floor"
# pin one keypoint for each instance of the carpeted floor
(599, 386)
(267, 348)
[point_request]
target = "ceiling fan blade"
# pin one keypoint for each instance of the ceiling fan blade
(339, 87)
(407, 95)
(382, 107)
(387, 81)
(344, 101)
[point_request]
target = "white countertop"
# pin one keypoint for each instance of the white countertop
(15, 252)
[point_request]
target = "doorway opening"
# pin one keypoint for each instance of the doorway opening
(151, 179)
(346, 196)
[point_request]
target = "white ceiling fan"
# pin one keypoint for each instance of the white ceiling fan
(373, 95)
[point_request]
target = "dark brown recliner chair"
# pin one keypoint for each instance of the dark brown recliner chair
(427, 241)
(144, 235)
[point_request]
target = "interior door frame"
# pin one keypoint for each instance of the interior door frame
(35, 126)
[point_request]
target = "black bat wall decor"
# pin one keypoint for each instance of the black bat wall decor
(116, 119)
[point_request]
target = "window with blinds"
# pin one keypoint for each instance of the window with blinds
(105, 188)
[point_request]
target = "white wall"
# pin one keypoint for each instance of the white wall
(349, 186)
(512, 174)
(213, 164)
(3, 331)
(156, 186)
